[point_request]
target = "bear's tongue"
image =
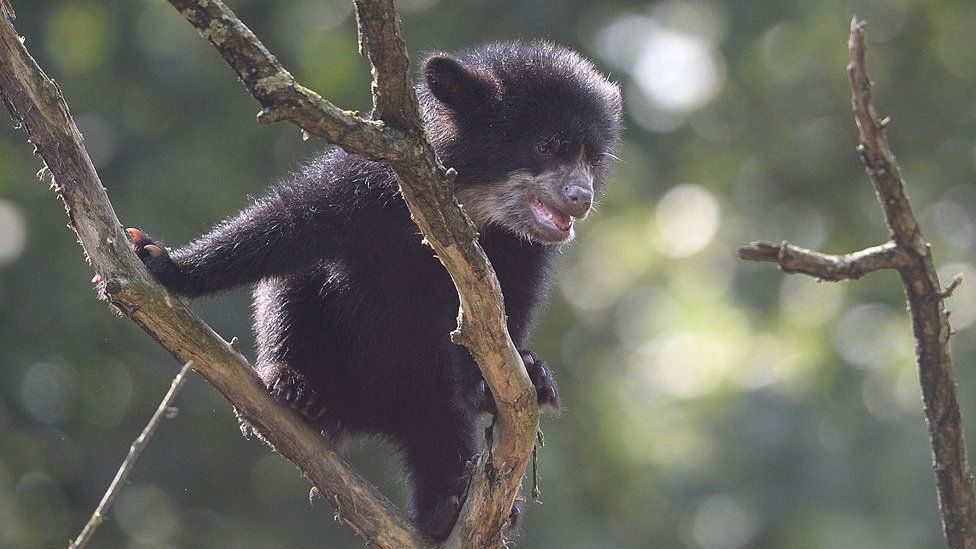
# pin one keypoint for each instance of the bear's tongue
(563, 222)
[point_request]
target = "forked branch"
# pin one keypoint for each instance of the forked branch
(909, 254)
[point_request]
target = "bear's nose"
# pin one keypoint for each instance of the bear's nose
(577, 200)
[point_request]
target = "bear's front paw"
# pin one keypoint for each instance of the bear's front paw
(155, 257)
(545, 384)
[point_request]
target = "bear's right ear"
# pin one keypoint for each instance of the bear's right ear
(456, 85)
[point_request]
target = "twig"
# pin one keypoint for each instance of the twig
(956, 282)
(163, 411)
(36, 105)
(909, 254)
(794, 259)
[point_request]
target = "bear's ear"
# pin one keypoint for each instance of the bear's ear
(456, 85)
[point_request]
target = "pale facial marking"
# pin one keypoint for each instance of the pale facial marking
(523, 204)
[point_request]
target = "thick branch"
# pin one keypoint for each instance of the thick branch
(794, 259)
(954, 483)
(482, 325)
(35, 103)
(135, 450)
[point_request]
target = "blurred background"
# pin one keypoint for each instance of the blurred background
(710, 403)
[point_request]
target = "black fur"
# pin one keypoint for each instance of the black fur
(353, 313)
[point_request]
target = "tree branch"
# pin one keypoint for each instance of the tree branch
(482, 324)
(909, 253)
(394, 100)
(794, 259)
(35, 103)
(878, 159)
(163, 411)
(930, 322)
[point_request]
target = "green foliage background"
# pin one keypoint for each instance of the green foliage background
(710, 403)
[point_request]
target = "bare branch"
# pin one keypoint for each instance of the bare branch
(794, 259)
(954, 483)
(394, 100)
(135, 450)
(878, 159)
(35, 103)
(910, 255)
(482, 325)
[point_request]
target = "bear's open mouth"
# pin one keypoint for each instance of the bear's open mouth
(551, 217)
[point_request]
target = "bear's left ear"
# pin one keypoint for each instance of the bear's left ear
(456, 85)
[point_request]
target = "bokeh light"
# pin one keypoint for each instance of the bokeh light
(723, 522)
(147, 515)
(686, 220)
(672, 58)
(13, 232)
(48, 392)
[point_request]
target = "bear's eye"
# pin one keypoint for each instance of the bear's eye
(548, 148)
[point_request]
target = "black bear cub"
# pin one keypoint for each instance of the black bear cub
(353, 313)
